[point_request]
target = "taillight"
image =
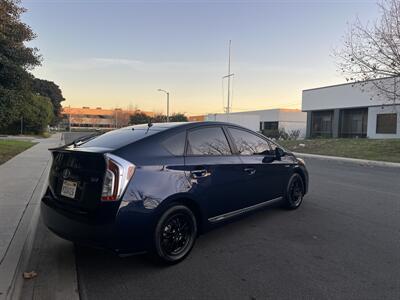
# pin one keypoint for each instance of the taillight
(117, 176)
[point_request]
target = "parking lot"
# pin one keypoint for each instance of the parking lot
(343, 243)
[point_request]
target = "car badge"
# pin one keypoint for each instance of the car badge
(66, 173)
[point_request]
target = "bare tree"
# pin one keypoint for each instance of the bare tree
(372, 52)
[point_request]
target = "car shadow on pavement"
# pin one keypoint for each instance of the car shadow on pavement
(217, 234)
(230, 255)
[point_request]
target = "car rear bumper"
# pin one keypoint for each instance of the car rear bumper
(124, 235)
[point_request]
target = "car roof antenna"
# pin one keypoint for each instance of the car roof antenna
(148, 126)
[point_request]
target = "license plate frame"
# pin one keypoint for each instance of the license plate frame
(68, 189)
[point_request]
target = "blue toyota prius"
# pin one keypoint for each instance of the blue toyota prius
(156, 187)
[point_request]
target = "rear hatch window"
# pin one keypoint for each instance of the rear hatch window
(118, 138)
(85, 171)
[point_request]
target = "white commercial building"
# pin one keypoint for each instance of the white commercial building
(267, 120)
(351, 110)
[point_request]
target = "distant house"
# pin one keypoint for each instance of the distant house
(266, 121)
(350, 110)
(96, 118)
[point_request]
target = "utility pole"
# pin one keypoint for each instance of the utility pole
(22, 124)
(69, 119)
(228, 107)
(168, 107)
(160, 90)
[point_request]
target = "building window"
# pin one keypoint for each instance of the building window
(270, 125)
(270, 129)
(386, 123)
(353, 122)
(321, 123)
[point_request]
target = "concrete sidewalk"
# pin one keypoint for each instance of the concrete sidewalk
(22, 182)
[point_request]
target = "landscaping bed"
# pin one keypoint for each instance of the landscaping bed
(10, 148)
(371, 149)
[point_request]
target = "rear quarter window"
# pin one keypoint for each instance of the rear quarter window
(175, 144)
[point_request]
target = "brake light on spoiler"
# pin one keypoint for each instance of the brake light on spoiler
(117, 176)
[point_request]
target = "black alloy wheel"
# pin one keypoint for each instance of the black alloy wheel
(175, 234)
(294, 192)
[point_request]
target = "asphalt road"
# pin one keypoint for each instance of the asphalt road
(342, 243)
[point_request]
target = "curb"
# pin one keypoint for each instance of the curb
(21, 246)
(350, 160)
(19, 251)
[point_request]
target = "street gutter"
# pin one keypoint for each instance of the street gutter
(350, 160)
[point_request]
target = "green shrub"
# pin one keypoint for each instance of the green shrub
(36, 113)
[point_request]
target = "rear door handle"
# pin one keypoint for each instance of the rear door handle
(200, 173)
(250, 171)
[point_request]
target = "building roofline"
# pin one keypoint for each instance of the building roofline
(346, 83)
(352, 107)
(67, 110)
(256, 111)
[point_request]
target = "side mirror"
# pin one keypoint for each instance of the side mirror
(268, 159)
(279, 152)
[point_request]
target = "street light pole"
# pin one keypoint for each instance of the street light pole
(229, 104)
(160, 90)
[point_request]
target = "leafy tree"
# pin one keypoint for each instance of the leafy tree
(159, 118)
(36, 115)
(372, 51)
(178, 117)
(15, 61)
(11, 106)
(140, 118)
(52, 91)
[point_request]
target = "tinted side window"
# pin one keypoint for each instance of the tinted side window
(208, 141)
(273, 146)
(248, 143)
(175, 144)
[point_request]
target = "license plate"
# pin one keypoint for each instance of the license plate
(69, 189)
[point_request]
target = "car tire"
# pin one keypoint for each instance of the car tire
(294, 193)
(175, 234)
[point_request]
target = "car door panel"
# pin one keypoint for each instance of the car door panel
(215, 174)
(265, 183)
(215, 181)
(263, 175)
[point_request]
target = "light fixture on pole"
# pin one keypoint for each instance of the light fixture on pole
(160, 90)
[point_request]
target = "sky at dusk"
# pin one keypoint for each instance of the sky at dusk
(118, 53)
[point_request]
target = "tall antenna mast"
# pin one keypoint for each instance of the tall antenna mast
(228, 107)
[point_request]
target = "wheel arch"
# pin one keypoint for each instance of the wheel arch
(190, 203)
(303, 177)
